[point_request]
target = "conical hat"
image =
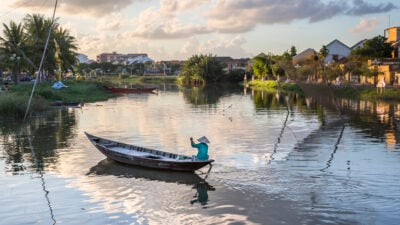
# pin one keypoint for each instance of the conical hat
(203, 140)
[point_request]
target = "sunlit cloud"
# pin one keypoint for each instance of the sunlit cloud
(216, 46)
(79, 7)
(243, 15)
(366, 25)
(112, 23)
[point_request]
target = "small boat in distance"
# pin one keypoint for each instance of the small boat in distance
(137, 90)
(146, 157)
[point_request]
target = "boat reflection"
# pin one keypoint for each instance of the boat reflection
(109, 167)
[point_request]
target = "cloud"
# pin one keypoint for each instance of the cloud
(366, 25)
(220, 46)
(362, 8)
(177, 6)
(174, 19)
(154, 24)
(79, 7)
(111, 23)
(243, 15)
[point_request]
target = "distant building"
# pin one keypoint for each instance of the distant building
(233, 64)
(117, 58)
(358, 45)
(336, 51)
(389, 68)
(393, 37)
(304, 56)
(82, 58)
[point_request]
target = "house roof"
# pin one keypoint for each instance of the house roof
(303, 56)
(307, 51)
(336, 40)
(358, 44)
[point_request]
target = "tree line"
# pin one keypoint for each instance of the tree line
(201, 69)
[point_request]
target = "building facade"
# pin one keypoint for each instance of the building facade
(336, 51)
(117, 58)
(393, 37)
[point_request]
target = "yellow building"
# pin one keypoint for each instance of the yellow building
(393, 36)
(389, 69)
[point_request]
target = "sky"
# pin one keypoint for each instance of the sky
(179, 29)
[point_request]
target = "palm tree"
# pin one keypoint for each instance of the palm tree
(323, 53)
(65, 49)
(12, 43)
(37, 28)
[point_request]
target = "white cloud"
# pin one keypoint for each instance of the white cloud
(366, 25)
(219, 45)
(237, 16)
(96, 8)
(113, 22)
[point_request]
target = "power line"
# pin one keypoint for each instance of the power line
(41, 61)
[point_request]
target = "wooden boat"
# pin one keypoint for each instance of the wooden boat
(129, 90)
(146, 157)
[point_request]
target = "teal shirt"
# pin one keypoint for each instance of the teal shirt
(202, 153)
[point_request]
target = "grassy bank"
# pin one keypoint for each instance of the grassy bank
(77, 91)
(14, 102)
(272, 85)
(14, 105)
(355, 92)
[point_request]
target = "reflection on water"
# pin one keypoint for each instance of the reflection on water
(57, 128)
(281, 158)
(108, 167)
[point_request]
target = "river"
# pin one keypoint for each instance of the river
(279, 159)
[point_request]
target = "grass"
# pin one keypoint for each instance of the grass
(355, 92)
(15, 105)
(272, 86)
(77, 91)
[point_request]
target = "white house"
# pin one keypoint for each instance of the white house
(359, 44)
(337, 51)
(82, 58)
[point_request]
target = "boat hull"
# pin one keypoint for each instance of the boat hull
(146, 157)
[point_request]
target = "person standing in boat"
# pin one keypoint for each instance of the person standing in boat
(202, 148)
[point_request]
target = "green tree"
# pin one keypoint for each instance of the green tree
(37, 28)
(376, 47)
(262, 66)
(12, 42)
(201, 69)
(322, 54)
(66, 48)
(26, 42)
(293, 51)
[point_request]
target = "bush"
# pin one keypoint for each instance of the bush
(12, 104)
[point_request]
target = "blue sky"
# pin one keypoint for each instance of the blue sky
(178, 29)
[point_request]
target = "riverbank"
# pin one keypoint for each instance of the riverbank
(359, 92)
(14, 102)
(272, 86)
